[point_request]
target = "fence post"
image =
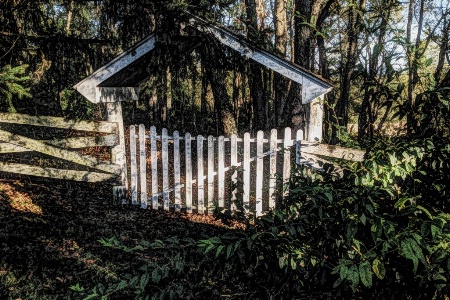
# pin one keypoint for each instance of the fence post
(118, 152)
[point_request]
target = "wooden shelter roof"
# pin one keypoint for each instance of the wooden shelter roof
(119, 79)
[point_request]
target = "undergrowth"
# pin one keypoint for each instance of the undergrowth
(380, 232)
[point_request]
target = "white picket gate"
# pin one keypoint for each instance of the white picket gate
(195, 177)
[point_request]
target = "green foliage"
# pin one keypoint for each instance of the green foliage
(381, 229)
(11, 84)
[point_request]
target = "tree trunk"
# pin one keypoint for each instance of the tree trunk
(281, 84)
(255, 76)
(217, 78)
(348, 67)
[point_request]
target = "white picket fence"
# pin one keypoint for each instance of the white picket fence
(195, 177)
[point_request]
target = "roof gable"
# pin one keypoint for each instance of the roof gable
(119, 79)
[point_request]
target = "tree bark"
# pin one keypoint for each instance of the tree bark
(281, 84)
(348, 68)
(256, 76)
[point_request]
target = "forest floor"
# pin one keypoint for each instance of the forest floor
(50, 232)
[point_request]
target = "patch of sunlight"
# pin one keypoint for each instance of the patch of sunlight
(18, 200)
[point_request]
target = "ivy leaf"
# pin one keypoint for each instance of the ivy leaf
(365, 274)
(378, 268)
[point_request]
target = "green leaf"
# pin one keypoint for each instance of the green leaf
(400, 204)
(343, 271)
(219, 250)
(426, 211)
(435, 230)
(229, 251)
(363, 219)
(378, 268)
(365, 274)
(353, 277)
(144, 280)
(409, 253)
(77, 288)
(209, 248)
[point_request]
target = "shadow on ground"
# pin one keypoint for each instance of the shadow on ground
(49, 232)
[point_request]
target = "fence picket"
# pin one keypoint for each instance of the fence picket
(298, 144)
(252, 183)
(200, 173)
(273, 168)
(259, 172)
(142, 166)
(165, 166)
(221, 171)
(154, 159)
(133, 165)
(246, 172)
(187, 140)
(286, 160)
(233, 156)
(210, 203)
(177, 172)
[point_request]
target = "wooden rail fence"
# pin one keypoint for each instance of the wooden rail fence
(201, 173)
(65, 148)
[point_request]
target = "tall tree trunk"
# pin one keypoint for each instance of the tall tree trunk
(256, 76)
(281, 84)
(217, 79)
(413, 57)
(348, 68)
(367, 116)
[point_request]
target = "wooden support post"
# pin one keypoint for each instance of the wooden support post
(314, 123)
(118, 153)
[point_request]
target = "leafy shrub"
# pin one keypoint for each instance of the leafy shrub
(380, 232)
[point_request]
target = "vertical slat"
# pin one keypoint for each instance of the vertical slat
(210, 203)
(153, 156)
(273, 167)
(187, 140)
(200, 173)
(221, 172)
(165, 166)
(133, 166)
(298, 144)
(286, 160)
(246, 172)
(143, 166)
(259, 172)
(177, 173)
(233, 156)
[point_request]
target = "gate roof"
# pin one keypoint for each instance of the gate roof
(119, 79)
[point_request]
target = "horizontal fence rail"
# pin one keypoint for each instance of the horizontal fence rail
(60, 148)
